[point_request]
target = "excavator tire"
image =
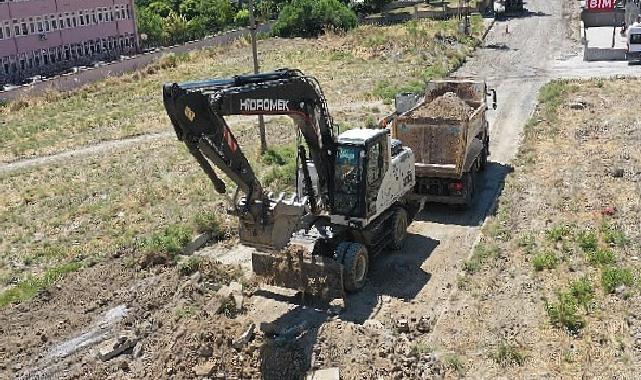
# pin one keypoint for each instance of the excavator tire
(355, 267)
(399, 228)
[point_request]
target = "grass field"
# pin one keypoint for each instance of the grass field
(59, 217)
(557, 268)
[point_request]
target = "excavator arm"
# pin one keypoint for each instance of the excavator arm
(197, 111)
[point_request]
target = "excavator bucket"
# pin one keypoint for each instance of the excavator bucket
(296, 268)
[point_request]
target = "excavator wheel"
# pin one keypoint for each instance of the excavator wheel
(355, 266)
(399, 228)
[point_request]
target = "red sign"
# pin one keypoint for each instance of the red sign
(599, 5)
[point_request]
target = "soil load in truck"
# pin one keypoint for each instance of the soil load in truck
(448, 132)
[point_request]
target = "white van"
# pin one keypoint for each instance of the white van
(634, 43)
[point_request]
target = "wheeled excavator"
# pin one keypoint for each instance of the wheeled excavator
(351, 200)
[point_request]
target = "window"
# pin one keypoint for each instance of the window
(81, 18)
(635, 39)
(47, 27)
(375, 164)
(123, 16)
(99, 14)
(7, 29)
(68, 20)
(39, 25)
(16, 28)
(25, 30)
(1, 33)
(32, 25)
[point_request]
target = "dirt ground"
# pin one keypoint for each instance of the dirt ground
(418, 317)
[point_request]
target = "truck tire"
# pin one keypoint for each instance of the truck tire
(399, 228)
(470, 179)
(355, 267)
(484, 154)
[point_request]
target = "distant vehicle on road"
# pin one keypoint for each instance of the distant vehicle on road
(633, 53)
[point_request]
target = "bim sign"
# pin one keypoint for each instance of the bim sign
(599, 5)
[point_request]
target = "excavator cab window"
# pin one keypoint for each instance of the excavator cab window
(348, 179)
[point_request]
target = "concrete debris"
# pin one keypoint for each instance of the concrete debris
(424, 325)
(204, 370)
(578, 104)
(233, 290)
(197, 243)
(246, 337)
(402, 325)
(116, 346)
(325, 374)
(336, 306)
(373, 324)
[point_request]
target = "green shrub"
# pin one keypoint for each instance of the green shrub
(613, 277)
(308, 18)
(527, 242)
(582, 291)
(613, 235)
(207, 221)
(601, 256)
(241, 18)
(482, 252)
(508, 355)
(545, 260)
(587, 241)
(171, 240)
(189, 266)
(556, 234)
(280, 155)
(29, 287)
(564, 313)
(386, 90)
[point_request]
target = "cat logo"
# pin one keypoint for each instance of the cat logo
(191, 115)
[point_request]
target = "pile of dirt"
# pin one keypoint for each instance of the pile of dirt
(168, 324)
(448, 106)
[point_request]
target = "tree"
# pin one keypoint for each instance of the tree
(161, 7)
(151, 25)
(175, 29)
(311, 17)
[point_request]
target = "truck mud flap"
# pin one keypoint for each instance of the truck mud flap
(316, 276)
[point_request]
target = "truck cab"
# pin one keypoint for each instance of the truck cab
(372, 172)
(633, 40)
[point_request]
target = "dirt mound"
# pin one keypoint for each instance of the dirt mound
(448, 106)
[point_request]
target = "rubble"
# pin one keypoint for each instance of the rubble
(204, 370)
(325, 374)
(116, 346)
(246, 337)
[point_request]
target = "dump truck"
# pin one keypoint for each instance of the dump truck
(448, 132)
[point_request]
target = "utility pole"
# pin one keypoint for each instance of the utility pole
(252, 32)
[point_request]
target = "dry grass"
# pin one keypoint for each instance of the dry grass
(568, 224)
(349, 68)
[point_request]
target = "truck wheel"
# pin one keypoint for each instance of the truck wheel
(484, 154)
(399, 228)
(355, 266)
(469, 188)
